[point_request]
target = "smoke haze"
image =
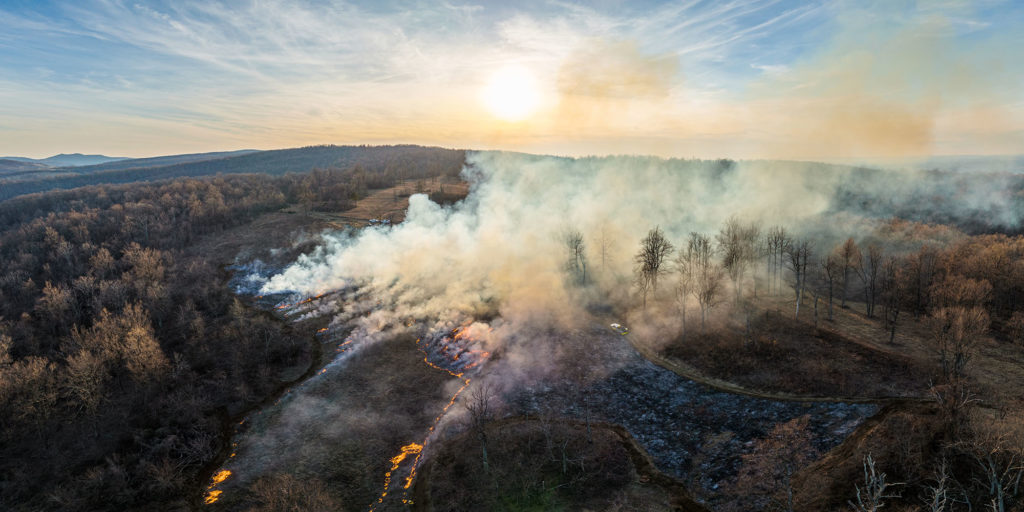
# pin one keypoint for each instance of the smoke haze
(500, 251)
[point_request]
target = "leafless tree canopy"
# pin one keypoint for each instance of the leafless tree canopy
(576, 262)
(649, 262)
(737, 243)
(850, 257)
(872, 494)
(708, 275)
(799, 254)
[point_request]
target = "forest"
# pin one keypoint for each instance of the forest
(122, 351)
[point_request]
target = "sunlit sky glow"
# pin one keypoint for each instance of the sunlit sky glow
(681, 78)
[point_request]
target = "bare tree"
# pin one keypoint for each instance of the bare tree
(84, 383)
(876, 490)
(799, 254)
(937, 497)
(954, 399)
(956, 290)
(576, 262)
(654, 248)
(752, 235)
(480, 407)
(921, 273)
(849, 255)
(957, 331)
(775, 242)
(708, 275)
(738, 244)
(831, 269)
(816, 284)
(686, 269)
(892, 293)
(869, 272)
(996, 444)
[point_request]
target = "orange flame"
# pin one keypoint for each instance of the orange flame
(212, 496)
(416, 463)
(395, 462)
(398, 459)
(453, 352)
(221, 476)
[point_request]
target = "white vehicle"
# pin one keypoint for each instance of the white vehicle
(621, 329)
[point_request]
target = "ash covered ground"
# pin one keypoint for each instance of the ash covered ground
(693, 432)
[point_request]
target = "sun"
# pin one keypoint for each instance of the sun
(512, 94)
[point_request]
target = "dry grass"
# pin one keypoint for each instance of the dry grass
(904, 439)
(270, 230)
(388, 203)
(849, 356)
(384, 398)
(997, 370)
(605, 470)
(789, 356)
(282, 229)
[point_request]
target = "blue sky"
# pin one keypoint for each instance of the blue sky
(689, 78)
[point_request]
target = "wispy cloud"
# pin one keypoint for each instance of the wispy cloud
(281, 72)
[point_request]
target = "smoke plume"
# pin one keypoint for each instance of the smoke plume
(500, 252)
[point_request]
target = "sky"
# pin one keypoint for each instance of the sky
(687, 78)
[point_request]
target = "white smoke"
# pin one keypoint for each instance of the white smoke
(499, 252)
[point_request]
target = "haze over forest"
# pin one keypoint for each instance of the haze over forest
(393, 256)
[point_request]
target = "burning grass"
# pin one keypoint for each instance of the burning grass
(345, 428)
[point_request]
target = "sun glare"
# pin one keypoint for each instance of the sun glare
(511, 94)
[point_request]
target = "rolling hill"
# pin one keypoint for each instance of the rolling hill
(274, 162)
(68, 160)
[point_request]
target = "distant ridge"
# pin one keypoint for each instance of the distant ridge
(274, 162)
(68, 159)
(10, 165)
(157, 161)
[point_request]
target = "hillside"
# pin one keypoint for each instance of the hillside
(8, 165)
(68, 160)
(416, 161)
(159, 161)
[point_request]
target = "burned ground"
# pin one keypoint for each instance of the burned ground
(692, 432)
